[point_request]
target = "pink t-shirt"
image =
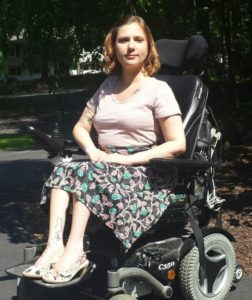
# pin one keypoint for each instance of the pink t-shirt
(132, 122)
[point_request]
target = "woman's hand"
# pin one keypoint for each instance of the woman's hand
(97, 155)
(119, 159)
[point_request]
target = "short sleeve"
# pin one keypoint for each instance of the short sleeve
(100, 92)
(166, 104)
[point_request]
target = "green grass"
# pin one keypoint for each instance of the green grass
(16, 142)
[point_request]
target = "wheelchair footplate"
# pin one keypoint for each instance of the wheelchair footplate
(31, 254)
(17, 271)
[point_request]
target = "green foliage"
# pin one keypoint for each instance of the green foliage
(57, 31)
(15, 142)
(2, 64)
(9, 86)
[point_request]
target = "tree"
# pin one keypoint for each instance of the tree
(59, 30)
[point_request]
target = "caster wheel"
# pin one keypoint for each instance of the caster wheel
(123, 297)
(238, 273)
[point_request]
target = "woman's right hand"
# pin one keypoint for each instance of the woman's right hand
(97, 155)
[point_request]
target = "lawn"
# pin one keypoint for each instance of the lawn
(15, 142)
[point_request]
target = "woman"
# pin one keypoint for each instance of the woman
(137, 118)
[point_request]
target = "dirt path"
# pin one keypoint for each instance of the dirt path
(234, 182)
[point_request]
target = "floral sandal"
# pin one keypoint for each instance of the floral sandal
(80, 267)
(37, 272)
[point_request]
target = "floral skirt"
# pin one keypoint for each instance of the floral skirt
(129, 199)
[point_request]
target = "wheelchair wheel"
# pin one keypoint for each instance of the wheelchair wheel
(238, 273)
(220, 270)
(123, 297)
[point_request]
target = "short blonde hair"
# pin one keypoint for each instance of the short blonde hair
(112, 66)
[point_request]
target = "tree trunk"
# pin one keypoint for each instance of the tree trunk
(227, 26)
(44, 66)
(202, 23)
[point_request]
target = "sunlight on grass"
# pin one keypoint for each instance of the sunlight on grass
(16, 142)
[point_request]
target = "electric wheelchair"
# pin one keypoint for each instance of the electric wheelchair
(182, 253)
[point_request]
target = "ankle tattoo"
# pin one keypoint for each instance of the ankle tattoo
(57, 236)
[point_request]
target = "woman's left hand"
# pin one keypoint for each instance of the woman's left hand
(117, 158)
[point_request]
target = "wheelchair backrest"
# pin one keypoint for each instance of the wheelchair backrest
(189, 90)
(191, 95)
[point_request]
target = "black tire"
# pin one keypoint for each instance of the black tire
(123, 297)
(220, 267)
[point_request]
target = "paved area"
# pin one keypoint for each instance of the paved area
(18, 170)
(21, 170)
(43, 111)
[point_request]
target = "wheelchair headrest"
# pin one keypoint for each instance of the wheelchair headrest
(181, 54)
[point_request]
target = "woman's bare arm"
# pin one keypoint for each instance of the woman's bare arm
(174, 145)
(81, 133)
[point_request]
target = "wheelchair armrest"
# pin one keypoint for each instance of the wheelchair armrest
(189, 164)
(54, 146)
(48, 143)
(72, 147)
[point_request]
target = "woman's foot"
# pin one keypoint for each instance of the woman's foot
(51, 255)
(71, 264)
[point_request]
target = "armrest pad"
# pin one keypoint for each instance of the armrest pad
(49, 144)
(182, 162)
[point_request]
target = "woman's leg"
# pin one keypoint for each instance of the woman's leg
(74, 246)
(58, 205)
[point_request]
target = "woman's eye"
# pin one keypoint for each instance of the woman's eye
(124, 40)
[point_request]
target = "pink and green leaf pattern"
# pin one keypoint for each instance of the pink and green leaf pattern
(130, 199)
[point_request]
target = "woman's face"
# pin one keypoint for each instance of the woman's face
(131, 46)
